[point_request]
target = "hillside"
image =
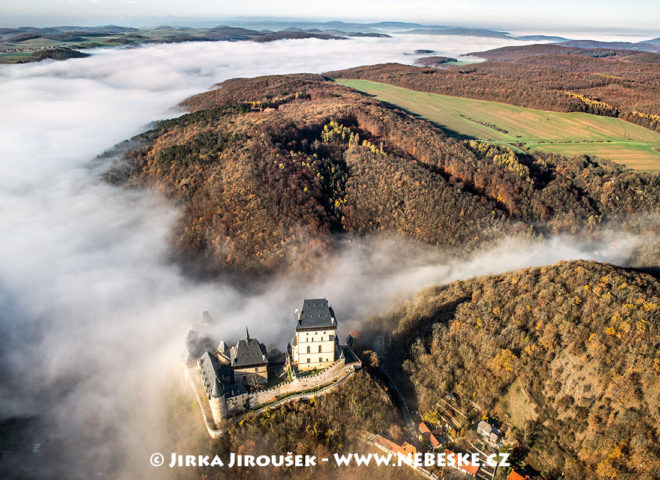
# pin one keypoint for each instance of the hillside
(566, 356)
(526, 129)
(30, 44)
(321, 426)
(623, 84)
(270, 170)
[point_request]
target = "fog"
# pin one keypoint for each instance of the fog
(93, 315)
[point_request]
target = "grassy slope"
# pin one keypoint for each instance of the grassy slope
(565, 133)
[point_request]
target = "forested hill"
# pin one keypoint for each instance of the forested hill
(616, 83)
(565, 355)
(269, 170)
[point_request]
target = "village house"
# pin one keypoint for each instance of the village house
(489, 432)
(428, 436)
(468, 468)
(516, 476)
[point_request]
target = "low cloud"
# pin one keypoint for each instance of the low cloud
(92, 315)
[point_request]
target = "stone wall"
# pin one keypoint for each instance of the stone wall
(223, 409)
(301, 383)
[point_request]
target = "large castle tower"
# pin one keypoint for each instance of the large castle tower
(315, 344)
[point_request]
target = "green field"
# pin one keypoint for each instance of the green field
(565, 133)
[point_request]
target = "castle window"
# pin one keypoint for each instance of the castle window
(309, 360)
(319, 348)
(308, 349)
(320, 360)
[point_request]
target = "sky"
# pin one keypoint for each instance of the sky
(565, 15)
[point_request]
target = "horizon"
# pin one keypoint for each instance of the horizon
(589, 16)
(271, 23)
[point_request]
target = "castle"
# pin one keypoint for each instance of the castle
(245, 376)
(315, 343)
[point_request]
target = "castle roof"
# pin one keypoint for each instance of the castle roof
(210, 366)
(248, 352)
(316, 313)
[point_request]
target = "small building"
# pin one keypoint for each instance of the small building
(404, 449)
(315, 344)
(407, 449)
(489, 432)
(516, 476)
(249, 361)
(428, 436)
(469, 467)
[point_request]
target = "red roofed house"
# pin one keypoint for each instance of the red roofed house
(469, 467)
(427, 435)
(405, 449)
(516, 476)
(386, 443)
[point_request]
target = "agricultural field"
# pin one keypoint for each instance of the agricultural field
(607, 138)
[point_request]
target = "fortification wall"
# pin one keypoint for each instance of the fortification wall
(299, 384)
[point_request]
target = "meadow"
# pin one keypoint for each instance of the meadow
(608, 138)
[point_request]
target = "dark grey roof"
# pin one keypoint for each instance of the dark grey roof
(248, 352)
(235, 389)
(210, 367)
(316, 313)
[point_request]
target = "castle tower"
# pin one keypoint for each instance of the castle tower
(315, 344)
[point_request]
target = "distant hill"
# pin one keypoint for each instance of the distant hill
(565, 356)
(270, 171)
(473, 32)
(434, 61)
(646, 46)
(515, 53)
(29, 44)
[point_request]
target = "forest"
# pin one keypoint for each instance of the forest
(566, 355)
(270, 171)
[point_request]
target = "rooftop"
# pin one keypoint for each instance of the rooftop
(468, 467)
(515, 476)
(248, 352)
(235, 389)
(209, 366)
(485, 426)
(316, 313)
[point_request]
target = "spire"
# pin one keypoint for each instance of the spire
(247, 334)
